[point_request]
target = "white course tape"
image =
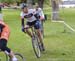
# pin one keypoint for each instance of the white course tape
(69, 27)
(65, 24)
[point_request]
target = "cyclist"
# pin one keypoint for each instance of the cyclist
(4, 36)
(32, 20)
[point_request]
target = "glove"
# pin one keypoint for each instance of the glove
(23, 30)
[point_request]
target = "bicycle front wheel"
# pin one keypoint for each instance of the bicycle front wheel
(36, 48)
(18, 56)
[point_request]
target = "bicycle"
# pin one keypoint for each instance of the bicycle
(18, 55)
(37, 46)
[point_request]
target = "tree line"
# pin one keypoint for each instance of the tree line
(32, 2)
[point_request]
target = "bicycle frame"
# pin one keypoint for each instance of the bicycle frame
(33, 30)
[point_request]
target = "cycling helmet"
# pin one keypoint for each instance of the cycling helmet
(23, 6)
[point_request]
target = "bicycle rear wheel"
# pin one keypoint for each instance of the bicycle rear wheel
(36, 48)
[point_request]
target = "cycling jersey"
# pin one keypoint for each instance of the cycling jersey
(29, 16)
(4, 31)
(4, 36)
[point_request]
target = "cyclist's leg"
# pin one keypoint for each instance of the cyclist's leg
(42, 26)
(29, 24)
(38, 30)
(4, 38)
(3, 47)
(28, 31)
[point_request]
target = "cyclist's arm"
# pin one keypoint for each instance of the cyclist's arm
(22, 19)
(22, 22)
(2, 24)
(41, 14)
(36, 14)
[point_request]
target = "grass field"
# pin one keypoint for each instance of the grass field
(59, 46)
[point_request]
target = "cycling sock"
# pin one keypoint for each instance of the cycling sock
(14, 59)
(6, 52)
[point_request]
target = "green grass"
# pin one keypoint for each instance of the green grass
(59, 46)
